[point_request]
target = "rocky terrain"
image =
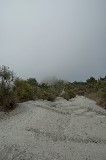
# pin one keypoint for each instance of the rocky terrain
(60, 130)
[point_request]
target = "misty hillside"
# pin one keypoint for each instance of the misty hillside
(52, 79)
(14, 89)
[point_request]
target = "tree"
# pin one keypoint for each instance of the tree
(91, 80)
(7, 96)
(32, 81)
(25, 89)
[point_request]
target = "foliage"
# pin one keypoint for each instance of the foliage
(7, 96)
(68, 95)
(14, 90)
(91, 80)
(32, 81)
(25, 89)
(47, 92)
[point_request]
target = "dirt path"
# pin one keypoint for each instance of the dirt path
(60, 130)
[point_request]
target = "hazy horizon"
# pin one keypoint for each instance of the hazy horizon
(61, 38)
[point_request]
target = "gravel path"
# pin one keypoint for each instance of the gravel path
(60, 130)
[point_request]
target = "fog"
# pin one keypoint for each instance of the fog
(62, 38)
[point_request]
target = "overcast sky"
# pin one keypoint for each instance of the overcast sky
(62, 38)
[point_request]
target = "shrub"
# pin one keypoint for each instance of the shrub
(49, 96)
(46, 93)
(9, 102)
(91, 80)
(68, 95)
(25, 90)
(7, 97)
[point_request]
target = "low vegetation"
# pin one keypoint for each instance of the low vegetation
(14, 90)
(8, 99)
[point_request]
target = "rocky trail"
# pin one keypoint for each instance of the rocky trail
(60, 130)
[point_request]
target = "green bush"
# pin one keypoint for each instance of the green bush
(25, 90)
(68, 95)
(9, 102)
(8, 98)
(49, 96)
(46, 93)
(13, 90)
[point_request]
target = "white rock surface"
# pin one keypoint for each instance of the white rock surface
(60, 130)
